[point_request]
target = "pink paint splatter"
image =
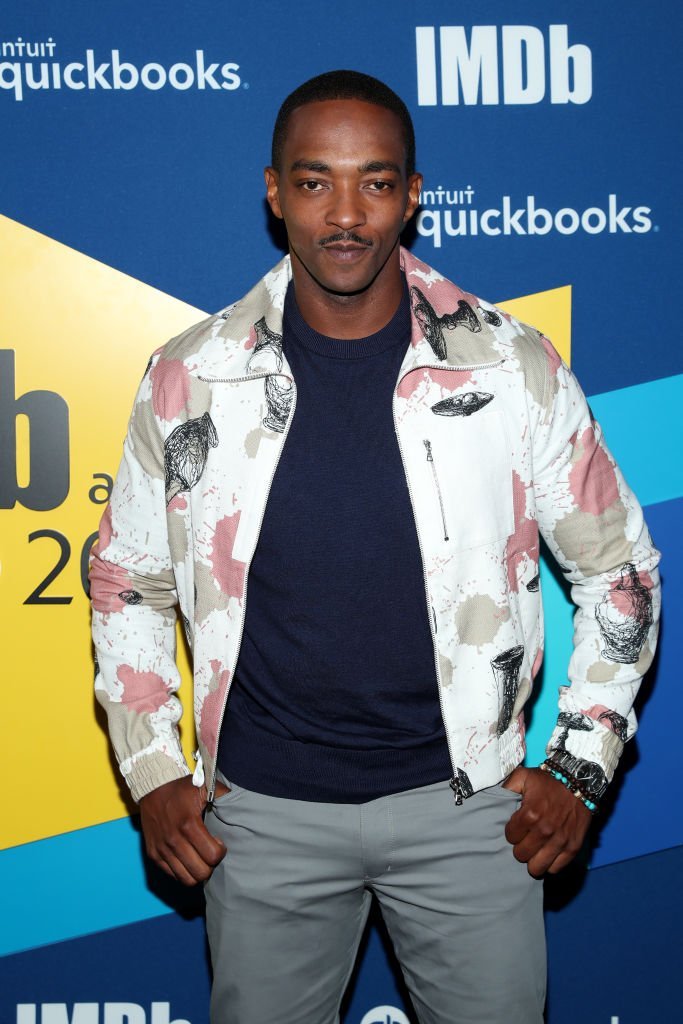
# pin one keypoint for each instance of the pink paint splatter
(228, 571)
(595, 711)
(251, 340)
(410, 383)
(451, 380)
(621, 594)
(212, 707)
(523, 542)
(592, 479)
(107, 582)
(142, 691)
(170, 388)
(554, 359)
(177, 504)
(538, 661)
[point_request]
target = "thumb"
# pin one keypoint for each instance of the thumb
(517, 780)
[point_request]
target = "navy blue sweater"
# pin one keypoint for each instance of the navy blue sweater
(335, 696)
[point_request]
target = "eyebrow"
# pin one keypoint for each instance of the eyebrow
(377, 166)
(310, 165)
(370, 167)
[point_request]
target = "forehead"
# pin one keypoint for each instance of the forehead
(337, 130)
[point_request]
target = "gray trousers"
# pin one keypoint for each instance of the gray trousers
(287, 906)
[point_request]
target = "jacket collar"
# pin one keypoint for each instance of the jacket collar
(450, 327)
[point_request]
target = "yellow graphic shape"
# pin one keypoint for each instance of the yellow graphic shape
(550, 312)
(85, 331)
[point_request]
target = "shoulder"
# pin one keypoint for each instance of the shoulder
(444, 307)
(218, 339)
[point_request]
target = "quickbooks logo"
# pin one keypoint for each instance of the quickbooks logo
(451, 212)
(23, 72)
(531, 66)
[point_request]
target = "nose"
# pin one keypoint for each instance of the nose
(345, 209)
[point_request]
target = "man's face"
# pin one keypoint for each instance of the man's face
(342, 192)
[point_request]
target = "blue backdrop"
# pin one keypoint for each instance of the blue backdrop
(547, 134)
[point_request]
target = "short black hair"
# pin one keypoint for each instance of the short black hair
(344, 85)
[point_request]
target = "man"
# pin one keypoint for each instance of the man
(370, 452)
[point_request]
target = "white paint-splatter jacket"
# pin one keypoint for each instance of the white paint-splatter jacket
(497, 443)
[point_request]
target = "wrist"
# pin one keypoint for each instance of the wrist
(559, 772)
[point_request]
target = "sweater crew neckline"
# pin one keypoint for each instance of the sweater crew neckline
(396, 332)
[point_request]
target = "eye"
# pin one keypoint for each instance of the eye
(311, 185)
(381, 186)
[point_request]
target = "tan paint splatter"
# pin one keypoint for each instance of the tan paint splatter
(209, 595)
(522, 697)
(601, 672)
(594, 542)
(445, 670)
(478, 619)
(253, 440)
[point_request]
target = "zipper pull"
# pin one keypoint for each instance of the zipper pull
(428, 446)
(457, 791)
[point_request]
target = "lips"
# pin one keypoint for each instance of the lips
(345, 252)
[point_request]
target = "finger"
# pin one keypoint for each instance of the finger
(560, 862)
(529, 847)
(209, 849)
(184, 851)
(518, 826)
(542, 861)
(180, 871)
(221, 789)
(161, 863)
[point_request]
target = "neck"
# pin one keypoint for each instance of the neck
(349, 316)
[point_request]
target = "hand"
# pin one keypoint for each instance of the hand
(175, 834)
(548, 830)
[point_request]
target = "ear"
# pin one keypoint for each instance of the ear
(273, 190)
(414, 189)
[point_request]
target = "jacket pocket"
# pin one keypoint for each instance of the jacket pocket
(469, 465)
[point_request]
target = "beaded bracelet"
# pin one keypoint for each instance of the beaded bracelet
(557, 765)
(570, 784)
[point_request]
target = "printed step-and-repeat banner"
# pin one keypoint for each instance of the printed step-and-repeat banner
(131, 203)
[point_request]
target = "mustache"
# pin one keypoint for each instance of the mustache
(345, 236)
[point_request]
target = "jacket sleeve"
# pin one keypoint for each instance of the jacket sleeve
(595, 529)
(133, 597)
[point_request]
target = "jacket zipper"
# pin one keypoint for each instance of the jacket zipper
(454, 782)
(228, 380)
(430, 460)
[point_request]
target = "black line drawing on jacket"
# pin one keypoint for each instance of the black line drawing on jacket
(462, 405)
(624, 633)
(279, 402)
(278, 395)
(572, 721)
(265, 338)
(187, 629)
(131, 596)
(186, 450)
(490, 317)
(506, 668)
(618, 723)
(534, 584)
(461, 785)
(433, 325)
(148, 367)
